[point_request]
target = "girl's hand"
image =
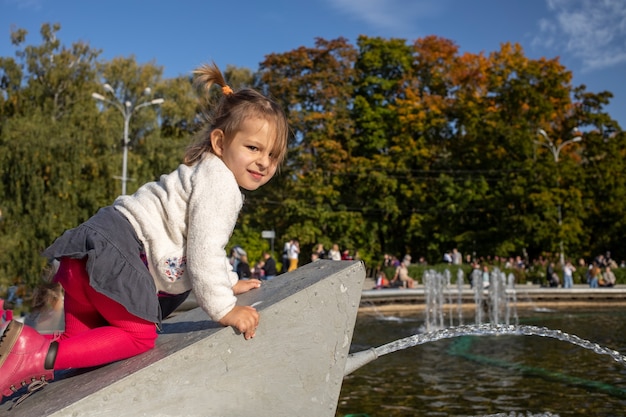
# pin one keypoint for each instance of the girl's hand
(245, 285)
(243, 318)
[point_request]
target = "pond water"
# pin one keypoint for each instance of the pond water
(490, 375)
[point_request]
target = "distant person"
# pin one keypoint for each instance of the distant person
(320, 251)
(594, 274)
(166, 239)
(294, 255)
(607, 278)
(551, 276)
(257, 270)
(15, 294)
(269, 267)
(243, 268)
(12, 293)
(402, 274)
(486, 276)
(457, 258)
(568, 274)
(476, 275)
(382, 281)
(285, 257)
(334, 253)
(235, 256)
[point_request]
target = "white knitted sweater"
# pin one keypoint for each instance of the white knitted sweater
(185, 221)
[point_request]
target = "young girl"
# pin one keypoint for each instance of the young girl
(134, 262)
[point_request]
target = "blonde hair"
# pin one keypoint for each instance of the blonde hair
(232, 109)
(46, 296)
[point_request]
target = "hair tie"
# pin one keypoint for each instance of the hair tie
(227, 90)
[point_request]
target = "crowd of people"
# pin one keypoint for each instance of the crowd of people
(264, 269)
(600, 272)
(597, 273)
(267, 268)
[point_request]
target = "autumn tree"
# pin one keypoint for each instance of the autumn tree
(314, 85)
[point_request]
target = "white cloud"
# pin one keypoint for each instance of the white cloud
(593, 31)
(396, 16)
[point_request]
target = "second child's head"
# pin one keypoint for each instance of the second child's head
(48, 296)
(247, 130)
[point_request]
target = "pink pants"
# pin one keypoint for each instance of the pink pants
(98, 330)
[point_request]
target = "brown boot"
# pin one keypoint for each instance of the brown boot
(26, 359)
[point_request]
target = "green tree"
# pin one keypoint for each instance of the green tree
(49, 160)
(602, 151)
(128, 89)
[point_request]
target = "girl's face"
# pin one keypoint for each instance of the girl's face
(248, 153)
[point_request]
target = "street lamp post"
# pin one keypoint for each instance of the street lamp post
(127, 109)
(556, 150)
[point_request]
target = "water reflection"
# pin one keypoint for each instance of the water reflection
(488, 375)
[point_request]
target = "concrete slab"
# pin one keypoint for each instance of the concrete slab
(293, 367)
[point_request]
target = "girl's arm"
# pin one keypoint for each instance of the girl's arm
(213, 207)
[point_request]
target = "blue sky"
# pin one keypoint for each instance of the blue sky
(589, 36)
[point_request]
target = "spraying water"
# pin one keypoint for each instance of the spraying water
(494, 299)
(459, 298)
(357, 360)
(494, 294)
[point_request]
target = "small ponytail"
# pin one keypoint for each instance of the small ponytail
(208, 74)
(231, 111)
